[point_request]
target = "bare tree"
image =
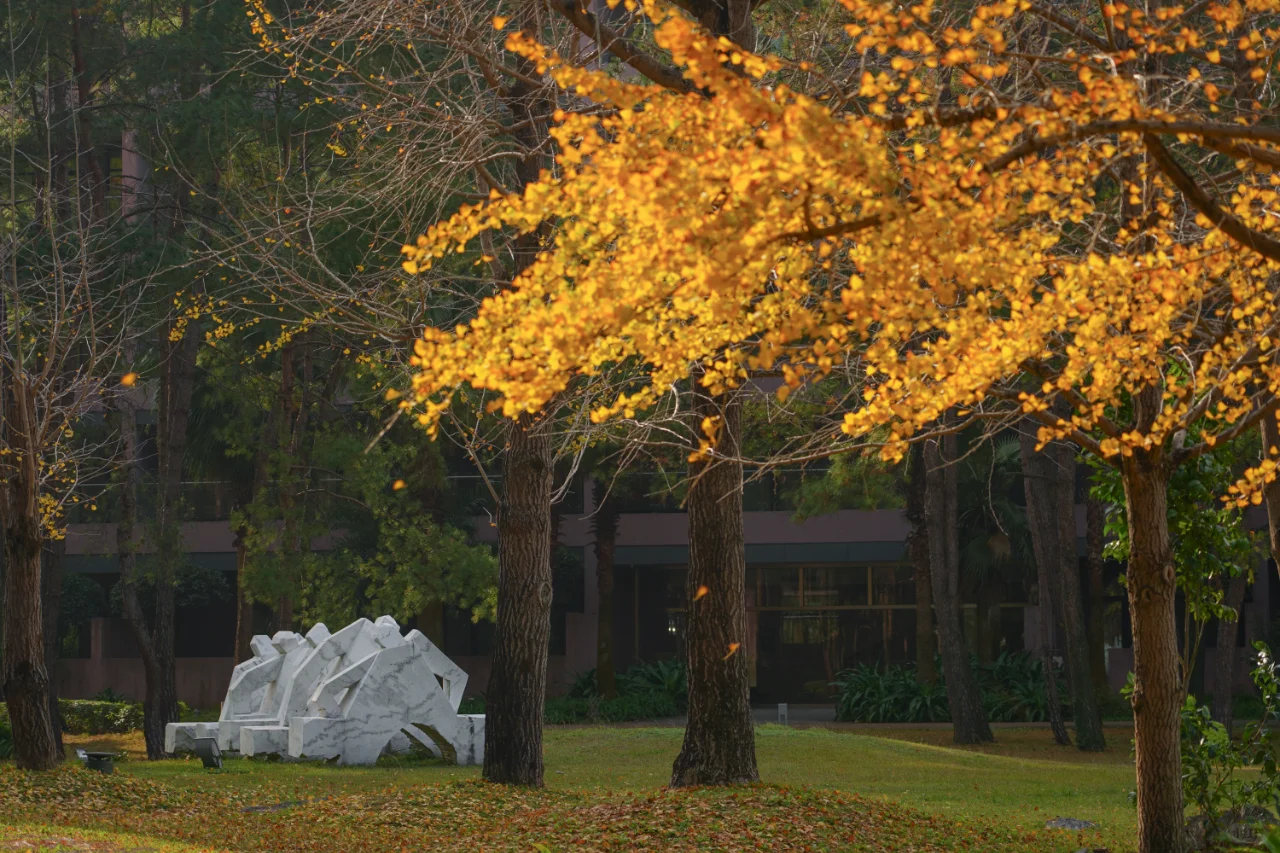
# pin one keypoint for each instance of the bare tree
(63, 311)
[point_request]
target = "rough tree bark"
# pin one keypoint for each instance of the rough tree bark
(1157, 695)
(969, 718)
(517, 682)
(1086, 714)
(1038, 484)
(719, 741)
(918, 549)
(1095, 539)
(606, 538)
(25, 677)
(51, 605)
(1225, 672)
(518, 679)
(1271, 450)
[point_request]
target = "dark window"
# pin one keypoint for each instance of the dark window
(840, 586)
(893, 585)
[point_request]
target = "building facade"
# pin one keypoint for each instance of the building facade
(823, 594)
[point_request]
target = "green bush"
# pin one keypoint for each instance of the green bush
(1231, 785)
(90, 717)
(568, 709)
(623, 709)
(1012, 686)
(865, 694)
(6, 740)
(96, 717)
(666, 678)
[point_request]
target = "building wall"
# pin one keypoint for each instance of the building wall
(648, 545)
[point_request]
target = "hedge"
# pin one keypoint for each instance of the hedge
(90, 717)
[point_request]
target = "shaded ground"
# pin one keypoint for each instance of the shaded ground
(899, 790)
(24, 839)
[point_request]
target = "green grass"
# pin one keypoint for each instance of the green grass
(824, 789)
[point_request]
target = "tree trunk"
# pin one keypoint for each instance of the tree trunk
(1226, 653)
(606, 530)
(1157, 695)
(26, 680)
(1057, 723)
(1271, 450)
(51, 603)
(23, 675)
(518, 680)
(1038, 484)
(719, 741)
(1095, 539)
(268, 442)
(1085, 711)
(967, 714)
(128, 474)
(177, 381)
(244, 603)
(918, 549)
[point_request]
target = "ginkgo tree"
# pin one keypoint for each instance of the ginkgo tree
(1022, 210)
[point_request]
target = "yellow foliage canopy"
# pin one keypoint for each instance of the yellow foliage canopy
(1013, 251)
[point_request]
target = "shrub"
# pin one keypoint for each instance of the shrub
(593, 709)
(109, 695)
(865, 694)
(1228, 803)
(665, 676)
(661, 678)
(624, 708)
(6, 740)
(91, 717)
(1012, 689)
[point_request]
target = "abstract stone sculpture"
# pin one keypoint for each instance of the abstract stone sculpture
(350, 696)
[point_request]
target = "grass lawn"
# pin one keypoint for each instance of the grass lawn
(896, 790)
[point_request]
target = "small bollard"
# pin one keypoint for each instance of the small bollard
(782, 713)
(100, 761)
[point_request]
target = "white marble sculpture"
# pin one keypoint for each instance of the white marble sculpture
(349, 696)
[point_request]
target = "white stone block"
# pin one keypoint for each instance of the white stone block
(264, 740)
(180, 737)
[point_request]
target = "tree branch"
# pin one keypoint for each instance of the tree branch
(1070, 25)
(1199, 198)
(666, 76)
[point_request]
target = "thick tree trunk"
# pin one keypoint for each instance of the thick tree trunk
(51, 604)
(1157, 695)
(1226, 653)
(719, 741)
(26, 680)
(1086, 714)
(606, 530)
(518, 680)
(1095, 539)
(967, 714)
(1038, 485)
(918, 549)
